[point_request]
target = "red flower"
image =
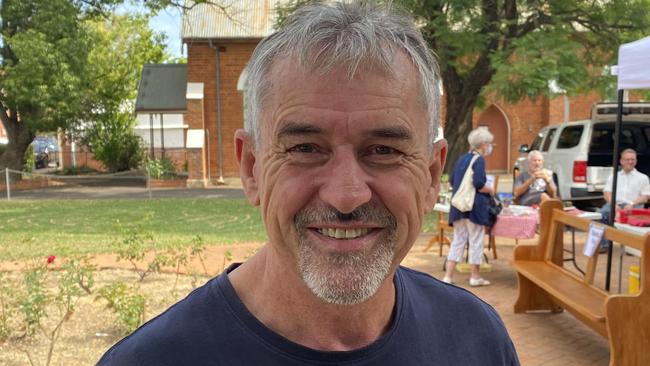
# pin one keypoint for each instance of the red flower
(50, 259)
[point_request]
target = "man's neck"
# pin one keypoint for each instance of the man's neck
(278, 298)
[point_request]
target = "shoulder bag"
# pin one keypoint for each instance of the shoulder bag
(463, 198)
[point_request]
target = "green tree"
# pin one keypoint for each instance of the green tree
(64, 63)
(513, 48)
(43, 56)
(122, 44)
(115, 144)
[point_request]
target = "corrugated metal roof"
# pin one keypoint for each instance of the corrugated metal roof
(232, 19)
(162, 88)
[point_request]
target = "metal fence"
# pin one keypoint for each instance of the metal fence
(44, 184)
(30, 185)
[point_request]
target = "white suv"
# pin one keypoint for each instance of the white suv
(580, 152)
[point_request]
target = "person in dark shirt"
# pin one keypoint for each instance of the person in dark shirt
(469, 226)
(340, 153)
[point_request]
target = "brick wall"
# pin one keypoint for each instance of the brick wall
(528, 116)
(524, 119)
(201, 68)
(83, 158)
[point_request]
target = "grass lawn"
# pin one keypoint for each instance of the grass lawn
(39, 228)
(76, 227)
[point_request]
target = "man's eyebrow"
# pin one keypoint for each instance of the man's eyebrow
(298, 128)
(394, 132)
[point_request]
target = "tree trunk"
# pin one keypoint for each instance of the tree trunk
(19, 136)
(458, 124)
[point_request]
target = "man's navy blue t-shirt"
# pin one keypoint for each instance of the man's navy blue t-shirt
(434, 324)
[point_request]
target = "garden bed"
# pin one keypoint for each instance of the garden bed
(168, 183)
(27, 184)
(92, 328)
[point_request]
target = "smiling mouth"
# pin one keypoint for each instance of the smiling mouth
(343, 233)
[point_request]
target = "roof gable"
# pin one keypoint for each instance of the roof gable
(162, 88)
(232, 19)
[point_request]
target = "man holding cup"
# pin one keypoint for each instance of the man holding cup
(536, 185)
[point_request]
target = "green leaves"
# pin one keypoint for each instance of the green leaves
(112, 140)
(66, 63)
(160, 168)
(126, 302)
(47, 53)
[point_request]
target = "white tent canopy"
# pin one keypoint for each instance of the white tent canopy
(634, 65)
(633, 73)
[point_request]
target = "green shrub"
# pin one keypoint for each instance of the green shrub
(160, 168)
(115, 144)
(30, 159)
(35, 298)
(126, 303)
(77, 170)
(2, 149)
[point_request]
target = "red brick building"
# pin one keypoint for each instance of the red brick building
(219, 46)
(517, 124)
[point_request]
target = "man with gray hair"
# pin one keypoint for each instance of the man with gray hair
(535, 185)
(340, 153)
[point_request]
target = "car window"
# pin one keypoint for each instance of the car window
(537, 141)
(570, 137)
(602, 139)
(549, 138)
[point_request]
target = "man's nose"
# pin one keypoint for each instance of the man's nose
(345, 186)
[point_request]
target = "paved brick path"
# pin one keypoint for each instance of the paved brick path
(540, 338)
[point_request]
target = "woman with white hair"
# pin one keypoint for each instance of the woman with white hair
(470, 225)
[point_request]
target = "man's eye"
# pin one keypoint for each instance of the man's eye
(303, 148)
(383, 150)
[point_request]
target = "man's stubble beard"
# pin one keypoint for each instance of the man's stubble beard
(352, 277)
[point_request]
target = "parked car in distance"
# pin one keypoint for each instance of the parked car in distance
(580, 152)
(45, 151)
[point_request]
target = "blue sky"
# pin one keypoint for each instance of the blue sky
(168, 21)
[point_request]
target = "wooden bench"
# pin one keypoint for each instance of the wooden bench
(624, 319)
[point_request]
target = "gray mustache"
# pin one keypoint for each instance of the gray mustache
(367, 213)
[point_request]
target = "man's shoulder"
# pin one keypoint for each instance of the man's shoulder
(424, 288)
(157, 341)
(437, 307)
(640, 175)
(522, 176)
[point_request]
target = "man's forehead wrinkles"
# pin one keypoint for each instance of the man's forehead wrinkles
(392, 132)
(298, 128)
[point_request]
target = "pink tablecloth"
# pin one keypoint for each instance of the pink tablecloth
(516, 227)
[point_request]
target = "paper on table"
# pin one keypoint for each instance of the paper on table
(596, 232)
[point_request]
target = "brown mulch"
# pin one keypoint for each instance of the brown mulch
(92, 329)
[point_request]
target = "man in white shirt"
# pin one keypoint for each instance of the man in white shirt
(632, 188)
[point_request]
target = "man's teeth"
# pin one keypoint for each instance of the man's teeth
(343, 233)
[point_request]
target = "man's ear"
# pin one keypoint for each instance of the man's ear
(438, 158)
(246, 158)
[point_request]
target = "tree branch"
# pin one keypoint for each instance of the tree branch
(512, 17)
